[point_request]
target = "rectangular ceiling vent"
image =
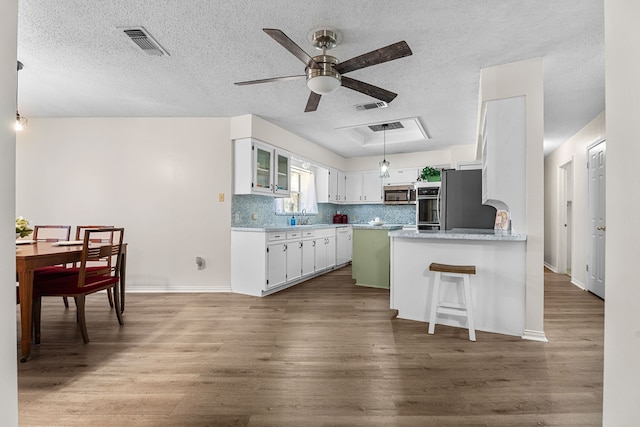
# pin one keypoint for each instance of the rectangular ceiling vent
(144, 41)
(372, 106)
(390, 126)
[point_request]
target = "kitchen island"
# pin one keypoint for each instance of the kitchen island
(370, 265)
(497, 288)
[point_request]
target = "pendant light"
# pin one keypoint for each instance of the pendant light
(21, 122)
(384, 165)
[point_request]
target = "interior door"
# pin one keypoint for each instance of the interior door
(597, 219)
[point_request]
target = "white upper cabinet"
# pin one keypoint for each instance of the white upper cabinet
(354, 187)
(336, 185)
(372, 187)
(260, 168)
(363, 187)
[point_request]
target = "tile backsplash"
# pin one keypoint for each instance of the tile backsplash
(259, 211)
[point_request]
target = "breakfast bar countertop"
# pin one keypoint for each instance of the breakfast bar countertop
(460, 234)
(388, 227)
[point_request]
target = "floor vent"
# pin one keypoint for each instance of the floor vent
(144, 41)
(372, 106)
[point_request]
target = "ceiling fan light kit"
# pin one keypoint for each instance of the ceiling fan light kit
(324, 73)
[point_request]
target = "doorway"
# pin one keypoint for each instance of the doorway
(596, 219)
(565, 217)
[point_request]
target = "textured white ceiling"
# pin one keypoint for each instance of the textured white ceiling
(79, 64)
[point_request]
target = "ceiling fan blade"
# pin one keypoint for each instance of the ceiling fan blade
(291, 46)
(312, 102)
(273, 79)
(368, 89)
(378, 56)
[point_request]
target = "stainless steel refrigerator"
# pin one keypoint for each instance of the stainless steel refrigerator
(461, 201)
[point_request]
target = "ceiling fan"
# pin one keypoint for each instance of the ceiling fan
(325, 74)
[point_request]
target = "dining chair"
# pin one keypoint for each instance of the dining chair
(85, 279)
(49, 233)
(104, 237)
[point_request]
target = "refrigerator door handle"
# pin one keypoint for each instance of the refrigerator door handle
(438, 210)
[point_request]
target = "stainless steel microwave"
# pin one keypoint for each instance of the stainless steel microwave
(400, 194)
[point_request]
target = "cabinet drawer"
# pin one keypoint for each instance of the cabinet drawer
(273, 237)
(292, 235)
(308, 233)
(326, 232)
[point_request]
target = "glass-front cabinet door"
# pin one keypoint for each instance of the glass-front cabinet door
(282, 174)
(263, 168)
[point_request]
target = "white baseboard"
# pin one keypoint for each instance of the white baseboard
(182, 289)
(578, 283)
(551, 267)
(534, 336)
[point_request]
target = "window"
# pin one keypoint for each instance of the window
(303, 193)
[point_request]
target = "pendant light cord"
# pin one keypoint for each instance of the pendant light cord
(384, 141)
(20, 66)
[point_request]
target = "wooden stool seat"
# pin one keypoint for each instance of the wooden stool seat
(447, 268)
(457, 309)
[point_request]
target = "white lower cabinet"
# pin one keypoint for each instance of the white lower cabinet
(344, 244)
(294, 255)
(325, 249)
(264, 262)
(308, 253)
(276, 264)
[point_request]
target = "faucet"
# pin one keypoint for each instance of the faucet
(303, 219)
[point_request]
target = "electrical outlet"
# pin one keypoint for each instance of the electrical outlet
(237, 217)
(254, 217)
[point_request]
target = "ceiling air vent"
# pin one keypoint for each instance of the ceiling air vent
(389, 126)
(372, 106)
(144, 41)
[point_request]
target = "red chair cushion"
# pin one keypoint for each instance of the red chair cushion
(44, 273)
(67, 283)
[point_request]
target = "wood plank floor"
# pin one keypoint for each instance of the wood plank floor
(324, 353)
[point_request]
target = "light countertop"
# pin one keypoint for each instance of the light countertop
(288, 227)
(387, 227)
(459, 234)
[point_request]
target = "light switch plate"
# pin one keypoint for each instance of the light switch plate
(221, 197)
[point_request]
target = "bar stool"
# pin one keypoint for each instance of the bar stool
(466, 309)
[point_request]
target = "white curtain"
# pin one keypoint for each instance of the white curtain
(308, 199)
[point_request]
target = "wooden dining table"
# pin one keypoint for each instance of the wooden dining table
(43, 254)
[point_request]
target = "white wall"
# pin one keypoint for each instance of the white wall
(158, 177)
(506, 81)
(574, 149)
(8, 352)
(450, 156)
(622, 304)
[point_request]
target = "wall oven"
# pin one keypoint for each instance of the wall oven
(428, 206)
(399, 194)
